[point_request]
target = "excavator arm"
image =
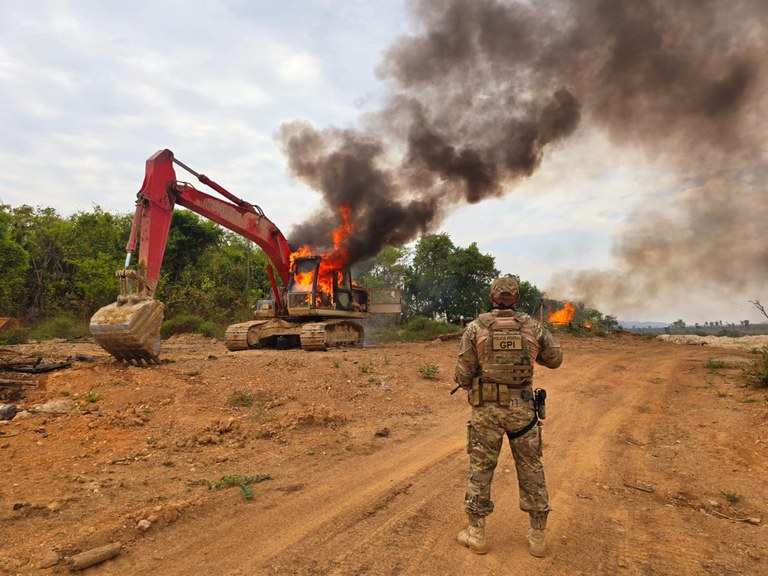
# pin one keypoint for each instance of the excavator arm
(130, 328)
(154, 208)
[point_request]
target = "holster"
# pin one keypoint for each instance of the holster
(540, 401)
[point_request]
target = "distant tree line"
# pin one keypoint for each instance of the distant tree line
(65, 266)
(52, 265)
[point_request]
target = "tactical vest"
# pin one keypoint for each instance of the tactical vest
(505, 358)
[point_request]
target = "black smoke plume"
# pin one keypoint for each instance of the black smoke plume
(482, 88)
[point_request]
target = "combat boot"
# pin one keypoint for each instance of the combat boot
(473, 536)
(536, 544)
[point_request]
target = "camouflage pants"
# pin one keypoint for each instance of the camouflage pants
(486, 431)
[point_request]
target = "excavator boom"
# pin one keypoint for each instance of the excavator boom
(161, 191)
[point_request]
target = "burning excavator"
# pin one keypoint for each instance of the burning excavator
(317, 306)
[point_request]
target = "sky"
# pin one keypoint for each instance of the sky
(621, 206)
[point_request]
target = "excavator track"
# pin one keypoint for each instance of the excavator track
(277, 333)
(324, 335)
(244, 335)
(130, 331)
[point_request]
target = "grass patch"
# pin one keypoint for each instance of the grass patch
(731, 495)
(365, 368)
(242, 482)
(713, 364)
(241, 399)
(429, 371)
(261, 416)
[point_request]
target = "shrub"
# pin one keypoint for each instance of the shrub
(60, 326)
(417, 328)
(757, 371)
(713, 364)
(732, 496)
(243, 482)
(421, 328)
(190, 323)
(15, 336)
(428, 371)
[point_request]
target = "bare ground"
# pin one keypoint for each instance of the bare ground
(656, 459)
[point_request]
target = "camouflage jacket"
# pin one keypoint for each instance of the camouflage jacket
(542, 345)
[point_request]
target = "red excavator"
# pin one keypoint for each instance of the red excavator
(315, 308)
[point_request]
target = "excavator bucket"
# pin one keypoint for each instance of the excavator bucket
(130, 330)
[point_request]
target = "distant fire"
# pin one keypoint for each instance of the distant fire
(563, 316)
(332, 263)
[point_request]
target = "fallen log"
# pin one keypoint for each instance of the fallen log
(38, 368)
(753, 521)
(13, 384)
(641, 488)
(21, 363)
(95, 556)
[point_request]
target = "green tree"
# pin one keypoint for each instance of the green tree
(94, 248)
(389, 268)
(594, 319)
(678, 325)
(14, 264)
(189, 236)
(427, 277)
(531, 298)
(448, 280)
(222, 282)
(611, 323)
(469, 276)
(234, 278)
(182, 284)
(41, 232)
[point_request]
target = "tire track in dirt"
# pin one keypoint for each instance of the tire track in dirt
(419, 528)
(596, 438)
(304, 532)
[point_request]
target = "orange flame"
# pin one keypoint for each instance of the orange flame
(563, 316)
(332, 262)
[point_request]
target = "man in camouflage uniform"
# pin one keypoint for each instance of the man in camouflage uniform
(495, 365)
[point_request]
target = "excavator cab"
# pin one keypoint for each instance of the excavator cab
(314, 290)
(303, 294)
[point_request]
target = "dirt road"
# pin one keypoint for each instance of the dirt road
(655, 456)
